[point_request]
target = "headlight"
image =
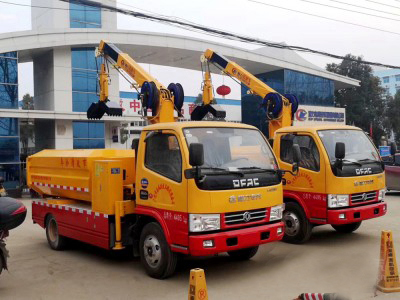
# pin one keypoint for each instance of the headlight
(338, 200)
(276, 212)
(381, 194)
(204, 222)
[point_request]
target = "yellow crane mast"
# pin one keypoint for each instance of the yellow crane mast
(162, 101)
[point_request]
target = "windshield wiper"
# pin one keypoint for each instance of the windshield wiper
(369, 160)
(335, 162)
(258, 169)
(223, 170)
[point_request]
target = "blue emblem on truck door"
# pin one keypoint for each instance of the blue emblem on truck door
(144, 182)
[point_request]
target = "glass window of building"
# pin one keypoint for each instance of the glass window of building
(84, 78)
(82, 16)
(9, 130)
(88, 135)
(397, 77)
(9, 152)
(385, 79)
(8, 80)
(309, 89)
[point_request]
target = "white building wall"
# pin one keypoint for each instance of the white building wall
(62, 79)
(63, 134)
(43, 79)
(46, 18)
(53, 80)
(109, 19)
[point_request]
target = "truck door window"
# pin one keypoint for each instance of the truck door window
(163, 155)
(308, 148)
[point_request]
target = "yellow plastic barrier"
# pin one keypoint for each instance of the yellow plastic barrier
(388, 280)
(197, 285)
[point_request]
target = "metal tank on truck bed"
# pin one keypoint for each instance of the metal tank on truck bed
(71, 173)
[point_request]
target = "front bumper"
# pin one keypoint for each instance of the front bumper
(357, 214)
(235, 239)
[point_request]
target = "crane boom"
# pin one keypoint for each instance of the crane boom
(280, 109)
(161, 100)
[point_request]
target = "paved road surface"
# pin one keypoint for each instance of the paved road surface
(329, 262)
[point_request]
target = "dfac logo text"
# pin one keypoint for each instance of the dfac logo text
(301, 115)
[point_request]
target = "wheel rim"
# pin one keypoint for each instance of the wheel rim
(53, 230)
(292, 223)
(152, 251)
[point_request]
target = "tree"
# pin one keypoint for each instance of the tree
(365, 105)
(393, 115)
(27, 102)
(199, 99)
(26, 133)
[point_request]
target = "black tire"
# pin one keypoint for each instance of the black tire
(347, 228)
(56, 241)
(155, 253)
(297, 227)
(243, 254)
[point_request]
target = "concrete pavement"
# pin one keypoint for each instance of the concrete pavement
(329, 262)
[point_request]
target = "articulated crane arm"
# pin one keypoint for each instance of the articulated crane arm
(279, 109)
(161, 100)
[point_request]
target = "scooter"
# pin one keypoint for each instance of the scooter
(12, 214)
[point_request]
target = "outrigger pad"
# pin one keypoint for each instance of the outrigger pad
(97, 110)
(201, 111)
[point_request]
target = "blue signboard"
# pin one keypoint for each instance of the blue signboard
(384, 150)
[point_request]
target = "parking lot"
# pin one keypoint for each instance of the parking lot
(329, 262)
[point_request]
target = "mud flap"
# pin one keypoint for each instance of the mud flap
(3, 255)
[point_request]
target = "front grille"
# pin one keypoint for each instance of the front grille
(244, 217)
(362, 197)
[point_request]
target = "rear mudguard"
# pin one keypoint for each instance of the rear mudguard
(3, 255)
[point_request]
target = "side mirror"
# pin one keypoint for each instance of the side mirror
(296, 159)
(1, 180)
(393, 148)
(340, 150)
(196, 154)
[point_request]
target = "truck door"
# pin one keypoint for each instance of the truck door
(309, 184)
(160, 184)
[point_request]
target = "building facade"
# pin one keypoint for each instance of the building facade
(390, 80)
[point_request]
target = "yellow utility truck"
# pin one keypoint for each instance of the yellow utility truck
(341, 178)
(195, 188)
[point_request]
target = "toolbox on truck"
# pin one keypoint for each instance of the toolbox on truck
(12, 213)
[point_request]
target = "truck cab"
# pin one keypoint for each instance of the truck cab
(230, 200)
(341, 179)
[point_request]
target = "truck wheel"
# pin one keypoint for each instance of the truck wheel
(56, 241)
(347, 228)
(297, 227)
(155, 253)
(243, 254)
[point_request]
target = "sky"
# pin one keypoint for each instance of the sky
(255, 18)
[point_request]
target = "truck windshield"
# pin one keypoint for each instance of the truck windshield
(359, 147)
(232, 148)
